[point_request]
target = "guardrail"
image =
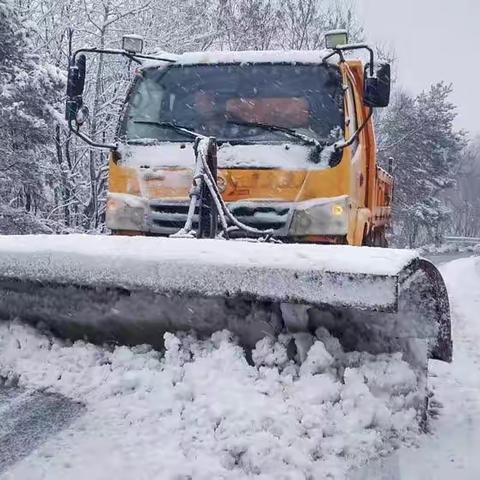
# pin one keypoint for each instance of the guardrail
(463, 240)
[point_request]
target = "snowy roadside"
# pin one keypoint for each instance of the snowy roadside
(451, 450)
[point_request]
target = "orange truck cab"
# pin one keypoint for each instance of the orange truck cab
(296, 148)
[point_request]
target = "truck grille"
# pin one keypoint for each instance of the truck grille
(168, 217)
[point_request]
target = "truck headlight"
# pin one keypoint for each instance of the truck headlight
(323, 216)
(125, 212)
(337, 210)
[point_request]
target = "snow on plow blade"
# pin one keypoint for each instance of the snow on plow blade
(132, 290)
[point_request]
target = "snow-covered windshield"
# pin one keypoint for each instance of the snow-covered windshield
(234, 102)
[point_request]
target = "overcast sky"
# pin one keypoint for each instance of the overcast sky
(433, 40)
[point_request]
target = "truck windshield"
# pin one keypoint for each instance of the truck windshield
(226, 101)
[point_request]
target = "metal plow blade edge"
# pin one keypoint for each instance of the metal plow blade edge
(133, 290)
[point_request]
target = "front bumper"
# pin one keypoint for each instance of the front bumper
(321, 217)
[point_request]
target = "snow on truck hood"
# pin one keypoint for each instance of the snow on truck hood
(178, 154)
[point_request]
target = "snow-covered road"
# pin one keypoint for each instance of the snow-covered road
(130, 394)
(28, 419)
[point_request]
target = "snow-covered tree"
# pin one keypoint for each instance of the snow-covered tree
(464, 199)
(288, 24)
(304, 22)
(247, 24)
(29, 90)
(167, 26)
(418, 133)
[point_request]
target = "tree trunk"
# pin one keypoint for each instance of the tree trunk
(65, 187)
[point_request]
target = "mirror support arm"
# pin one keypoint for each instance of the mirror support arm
(88, 140)
(347, 143)
(354, 46)
(112, 51)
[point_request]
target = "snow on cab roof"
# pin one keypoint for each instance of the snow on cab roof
(248, 56)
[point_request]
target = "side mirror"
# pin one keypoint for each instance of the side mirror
(377, 88)
(75, 86)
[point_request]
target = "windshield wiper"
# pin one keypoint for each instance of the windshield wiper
(187, 131)
(276, 128)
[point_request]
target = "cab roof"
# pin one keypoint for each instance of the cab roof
(249, 56)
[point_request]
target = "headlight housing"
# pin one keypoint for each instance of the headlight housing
(125, 212)
(322, 216)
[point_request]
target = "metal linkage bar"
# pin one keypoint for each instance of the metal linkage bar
(206, 194)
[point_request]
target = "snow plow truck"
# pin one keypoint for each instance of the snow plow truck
(244, 194)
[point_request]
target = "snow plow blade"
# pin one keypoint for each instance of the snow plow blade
(131, 290)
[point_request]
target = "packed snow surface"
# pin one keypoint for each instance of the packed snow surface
(311, 274)
(200, 411)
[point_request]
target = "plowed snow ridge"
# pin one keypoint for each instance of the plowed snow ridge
(200, 411)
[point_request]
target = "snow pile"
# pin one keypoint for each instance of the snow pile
(449, 248)
(201, 411)
(440, 249)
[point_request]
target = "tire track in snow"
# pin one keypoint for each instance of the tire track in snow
(27, 419)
